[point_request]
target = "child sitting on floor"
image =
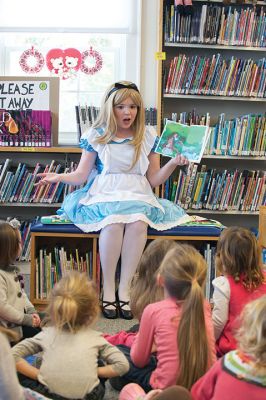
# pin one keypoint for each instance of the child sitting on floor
(144, 288)
(10, 388)
(16, 311)
(71, 347)
(179, 328)
(238, 258)
(241, 373)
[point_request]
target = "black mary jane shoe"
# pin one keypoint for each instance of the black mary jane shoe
(111, 313)
(125, 314)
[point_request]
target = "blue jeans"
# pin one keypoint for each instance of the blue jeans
(135, 374)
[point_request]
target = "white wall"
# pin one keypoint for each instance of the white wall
(148, 65)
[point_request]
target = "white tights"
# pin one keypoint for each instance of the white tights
(128, 240)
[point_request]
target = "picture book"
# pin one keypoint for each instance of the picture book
(187, 140)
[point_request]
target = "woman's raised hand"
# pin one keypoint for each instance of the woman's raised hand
(180, 160)
(48, 178)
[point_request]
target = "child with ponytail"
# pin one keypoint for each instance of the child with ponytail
(71, 347)
(178, 329)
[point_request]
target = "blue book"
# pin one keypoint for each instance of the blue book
(232, 136)
(21, 172)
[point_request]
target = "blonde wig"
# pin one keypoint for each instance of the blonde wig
(106, 119)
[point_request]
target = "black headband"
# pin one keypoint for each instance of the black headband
(118, 86)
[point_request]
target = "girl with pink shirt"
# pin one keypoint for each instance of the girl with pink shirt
(144, 289)
(239, 260)
(175, 343)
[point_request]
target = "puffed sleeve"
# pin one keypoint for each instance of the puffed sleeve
(150, 140)
(88, 140)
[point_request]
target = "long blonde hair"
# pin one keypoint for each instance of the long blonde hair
(184, 273)
(106, 118)
(238, 255)
(73, 303)
(144, 288)
(251, 335)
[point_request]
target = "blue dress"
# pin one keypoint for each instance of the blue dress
(115, 193)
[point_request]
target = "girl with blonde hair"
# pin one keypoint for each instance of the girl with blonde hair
(71, 347)
(241, 373)
(118, 198)
(179, 328)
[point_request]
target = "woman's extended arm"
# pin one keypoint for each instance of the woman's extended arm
(76, 177)
(156, 175)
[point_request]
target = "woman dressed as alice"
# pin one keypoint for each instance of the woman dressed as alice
(118, 199)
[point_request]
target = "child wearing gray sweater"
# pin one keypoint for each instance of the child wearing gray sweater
(71, 347)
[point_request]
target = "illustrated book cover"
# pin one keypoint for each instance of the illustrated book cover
(187, 140)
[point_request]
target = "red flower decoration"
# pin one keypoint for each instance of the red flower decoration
(98, 62)
(35, 56)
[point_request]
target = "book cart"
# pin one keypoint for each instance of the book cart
(201, 61)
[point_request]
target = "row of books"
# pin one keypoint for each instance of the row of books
(29, 128)
(241, 136)
(151, 116)
(218, 190)
(19, 185)
(217, 76)
(213, 24)
(86, 116)
(26, 239)
(51, 266)
(34, 140)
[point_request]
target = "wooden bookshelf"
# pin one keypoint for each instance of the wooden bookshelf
(26, 209)
(215, 47)
(218, 212)
(210, 97)
(70, 241)
(32, 205)
(262, 226)
(232, 106)
(65, 150)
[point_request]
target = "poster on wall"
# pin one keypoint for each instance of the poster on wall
(25, 115)
(24, 95)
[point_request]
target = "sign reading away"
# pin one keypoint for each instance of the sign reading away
(24, 95)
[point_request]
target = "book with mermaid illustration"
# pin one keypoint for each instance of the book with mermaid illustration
(187, 140)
